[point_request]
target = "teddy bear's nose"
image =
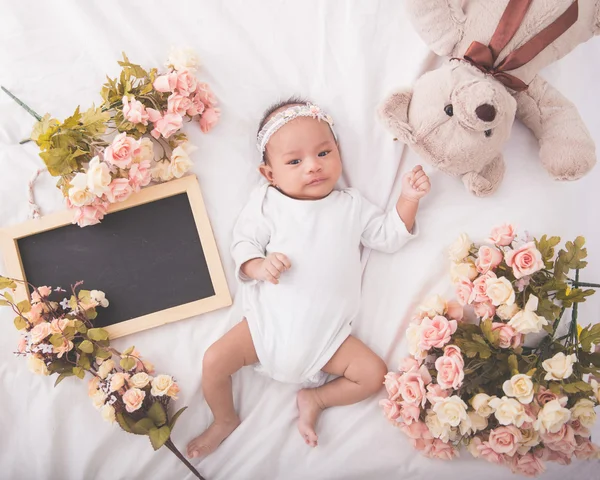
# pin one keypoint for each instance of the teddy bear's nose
(486, 112)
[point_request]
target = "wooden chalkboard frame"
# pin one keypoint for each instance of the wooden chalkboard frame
(188, 184)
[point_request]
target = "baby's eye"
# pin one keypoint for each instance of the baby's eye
(323, 153)
(294, 162)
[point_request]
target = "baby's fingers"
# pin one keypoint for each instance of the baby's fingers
(278, 265)
(272, 270)
(271, 278)
(283, 259)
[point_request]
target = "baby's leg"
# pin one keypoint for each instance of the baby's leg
(361, 375)
(223, 358)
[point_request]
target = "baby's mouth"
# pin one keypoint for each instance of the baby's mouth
(316, 181)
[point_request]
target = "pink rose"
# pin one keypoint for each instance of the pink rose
(205, 95)
(527, 465)
(464, 290)
(391, 410)
(422, 444)
(409, 413)
(186, 83)
(392, 385)
(412, 386)
(407, 364)
(66, 346)
(22, 345)
(545, 395)
(488, 259)
(165, 125)
(524, 260)
(452, 351)
(548, 455)
(173, 391)
(436, 393)
(562, 441)
(166, 82)
(586, 450)
(416, 430)
(579, 429)
(58, 325)
(485, 310)
(509, 337)
(196, 107)
(140, 175)
(505, 440)
(117, 381)
(454, 310)
(488, 453)
(436, 332)
(134, 111)
(442, 450)
(121, 151)
(503, 235)
(35, 314)
(178, 104)
(41, 292)
(119, 190)
(133, 399)
(40, 332)
(450, 373)
(479, 293)
(209, 118)
(90, 214)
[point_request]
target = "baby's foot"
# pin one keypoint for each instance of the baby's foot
(309, 409)
(212, 437)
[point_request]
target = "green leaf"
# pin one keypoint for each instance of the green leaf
(577, 387)
(128, 351)
(128, 363)
(24, 306)
(473, 348)
(84, 362)
(513, 363)
(4, 303)
(62, 376)
(80, 326)
(73, 120)
(97, 334)
(7, 283)
(555, 388)
(123, 422)
(103, 354)
(59, 161)
(57, 340)
(9, 297)
(588, 336)
(175, 417)
(157, 414)
(141, 427)
(20, 323)
(94, 120)
(91, 314)
(571, 258)
(491, 336)
(158, 436)
(86, 346)
(79, 372)
(546, 247)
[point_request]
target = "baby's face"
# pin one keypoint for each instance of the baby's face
(303, 159)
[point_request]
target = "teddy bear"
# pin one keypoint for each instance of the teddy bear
(459, 116)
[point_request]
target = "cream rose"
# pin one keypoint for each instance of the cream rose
(509, 411)
(451, 410)
(98, 399)
(183, 59)
(108, 413)
(105, 368)
(478, 422)
(531, 438)
(99, 297)
(519, 386)
(481, 404)
(145, 152)
(133, 399)
(465, 270)
(162, 172)
(436, 427)
(506, 312)
(79, 195)
(527, 321)
(552, 417)
(500, 291)
(161, 385)
(180, 162)
(117, 381)
(40, 332)
(459, 250)
(583, 411)
(413, 337)
(139, 380)
(433, 305)
(37, 365)
(559, 367)
(98, 177)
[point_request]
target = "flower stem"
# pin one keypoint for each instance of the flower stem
(25, 106)
(171, 446)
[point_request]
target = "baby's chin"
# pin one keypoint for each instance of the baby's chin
(310, 192)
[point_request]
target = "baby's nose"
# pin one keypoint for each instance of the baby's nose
(486, 112)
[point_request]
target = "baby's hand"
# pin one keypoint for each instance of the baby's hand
(415, 184)
(270, 268)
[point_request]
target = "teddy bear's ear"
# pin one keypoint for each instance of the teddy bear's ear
(394, 114)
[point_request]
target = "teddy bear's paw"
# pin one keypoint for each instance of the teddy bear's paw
(478, 185)
(569, 161)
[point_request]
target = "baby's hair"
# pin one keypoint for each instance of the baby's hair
(273, 108)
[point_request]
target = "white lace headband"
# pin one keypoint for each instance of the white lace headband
(279, 120)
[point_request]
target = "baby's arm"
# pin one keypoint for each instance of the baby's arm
(415, 185)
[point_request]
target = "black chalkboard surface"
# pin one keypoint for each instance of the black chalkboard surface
(154, 257)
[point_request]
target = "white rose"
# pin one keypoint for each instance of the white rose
(180, 162)
(508, 411)
(146, 151)
(451, 411)
(434, 305)
(106, 368)
(463, 270)
(79, 195)
(559, 367)
(413, 337)
(437, 429)
(500, 291)
(108, 413)
(460, 248)
(552, 417)
(162, 172)
(526, 321)
(98, 177)
(161, 385)
(99, 297)
(183, 59)
(583, 411)
(37, 365)
(478, 422)
(481, 404)
(140, 380)
(98, 399)
(506, 312)
(519, 386)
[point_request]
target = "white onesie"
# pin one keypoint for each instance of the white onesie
(298, 324)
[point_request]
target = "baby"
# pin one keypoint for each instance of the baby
(296, 250)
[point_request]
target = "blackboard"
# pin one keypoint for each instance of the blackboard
(148, 258)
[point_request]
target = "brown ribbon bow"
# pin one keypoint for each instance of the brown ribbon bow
(483, 57)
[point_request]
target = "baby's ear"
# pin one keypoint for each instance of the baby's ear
(266, 171)
(394, 114)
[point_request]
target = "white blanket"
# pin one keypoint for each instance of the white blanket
(345, 55)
